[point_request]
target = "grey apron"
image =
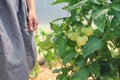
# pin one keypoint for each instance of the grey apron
(17, 47)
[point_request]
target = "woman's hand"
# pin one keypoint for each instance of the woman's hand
(32, 18)
(32, 21)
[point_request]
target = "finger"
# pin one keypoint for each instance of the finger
(28, 27)
(30, 24)
(35, 25)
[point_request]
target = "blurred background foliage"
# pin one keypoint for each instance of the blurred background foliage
(45, 51)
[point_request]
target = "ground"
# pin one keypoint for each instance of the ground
(46, 73)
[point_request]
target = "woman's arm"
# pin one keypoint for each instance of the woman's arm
(32, 18)
(31, 5)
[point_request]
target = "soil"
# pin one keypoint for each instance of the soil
(46, 73)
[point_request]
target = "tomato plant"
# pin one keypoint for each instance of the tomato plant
(88, 41)
(45, 47)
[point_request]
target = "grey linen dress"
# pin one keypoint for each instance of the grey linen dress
(17, 47)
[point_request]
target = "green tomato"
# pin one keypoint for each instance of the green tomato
(85, 38)
(76, 68)
(87, 31)
(78, 49)
(81, 40)
(72, 36)
(115, 54)
(72, 63)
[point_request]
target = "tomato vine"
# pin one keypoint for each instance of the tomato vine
(88, 41)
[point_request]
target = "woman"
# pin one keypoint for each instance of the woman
(17, 48)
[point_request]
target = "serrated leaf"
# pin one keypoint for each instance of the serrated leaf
(45, 45)
(109, 36)
(117, 15)
(60, 1)
(65, 7)
(100, 23)
(99, 19)
(99, 13)
(91, 46)
(69, 57)
(94, 68)
(95, 1)
(79, 4)
(55, 27)
(61, 45)
(106, 78)
(116, 6)
(117, 32)
(82, 74)
(80, 61)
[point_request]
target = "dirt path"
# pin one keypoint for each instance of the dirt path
(46, 74)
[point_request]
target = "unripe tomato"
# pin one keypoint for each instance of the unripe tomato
(65, 32)
(87, 31)
(85, 38)
(72, 36)
(81, 40)
(78, 49)
(76, 68)
(72, 62)
(115, 54)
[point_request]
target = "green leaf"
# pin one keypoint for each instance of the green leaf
(96, 2)
(100, 23)
(64, 71)
(59, 77)
(109, 36)
(91, 46)
(57, 70)
(99, 19)
(46, 45)
(61, 45)
(79, 4)
(117, 32)
(58, 19)
(64, 78)
(80, 61)
(116, 6)
(60, 1)
(94, 68)
(82, 74)
(117, 15)
(55, 27)
(99, 13)
(69, 57)
(107, 78)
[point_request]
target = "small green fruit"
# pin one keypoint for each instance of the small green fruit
(72, 36)
(87, 31)
(81, 40)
